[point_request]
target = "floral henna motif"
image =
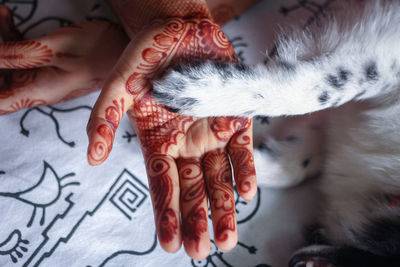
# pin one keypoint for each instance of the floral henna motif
(224, 127)
(161, 188)
(23, 103)
(194, 221)
(217, 171)
(31, 54)
(242, 159)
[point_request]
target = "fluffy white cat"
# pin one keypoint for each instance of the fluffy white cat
(346, 75)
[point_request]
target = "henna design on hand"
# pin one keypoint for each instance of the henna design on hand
(217, 171)
(224, 127)
(22, 103)
(31, 54)
(195, 220)
(161, 189)
(106, 131)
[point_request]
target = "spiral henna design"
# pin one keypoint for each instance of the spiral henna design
(106, 131)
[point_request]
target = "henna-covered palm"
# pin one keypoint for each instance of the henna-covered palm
(71, 62)
(180, 152)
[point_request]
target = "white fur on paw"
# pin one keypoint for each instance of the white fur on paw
(182, 89)
(205, 89)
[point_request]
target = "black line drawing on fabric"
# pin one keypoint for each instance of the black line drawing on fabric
(13, 246)
(88, 216)
(44, 193)
(130, 252)
(238, 44)
(246, 210)
(216, 257)
(318, 11)
(129, 136)
(48, 228)
(50, 112)
(59, 22)
(129, 197)
(22, 10)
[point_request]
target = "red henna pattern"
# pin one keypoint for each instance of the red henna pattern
(162, 189)
(21, 104)
(217, 171)
(224, 127)
(25, 54)
(242, 159)
(189, 39)
(113, 115)
(195, 220)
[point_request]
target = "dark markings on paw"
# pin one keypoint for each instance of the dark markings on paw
(179, 85)
(360, 94)
(371, 72)
(221, 65)
(324, 97)
(306, 162)
(187, 101)
(285, 65)
(258, 96)
(160, 96)
(174, 110)
(242, 67)
(338, 80)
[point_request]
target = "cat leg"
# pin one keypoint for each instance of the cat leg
(313, 71)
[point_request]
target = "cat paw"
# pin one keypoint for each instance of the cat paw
(206, 89)
(182, 89)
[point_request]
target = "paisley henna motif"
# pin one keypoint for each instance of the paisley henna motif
(194, 221)
(217, 171)
(161, 191)
(32, 54)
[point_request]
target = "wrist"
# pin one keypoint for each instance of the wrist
(136, 14)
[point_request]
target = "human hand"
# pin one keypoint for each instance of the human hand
(71, 62)
(187, 159)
